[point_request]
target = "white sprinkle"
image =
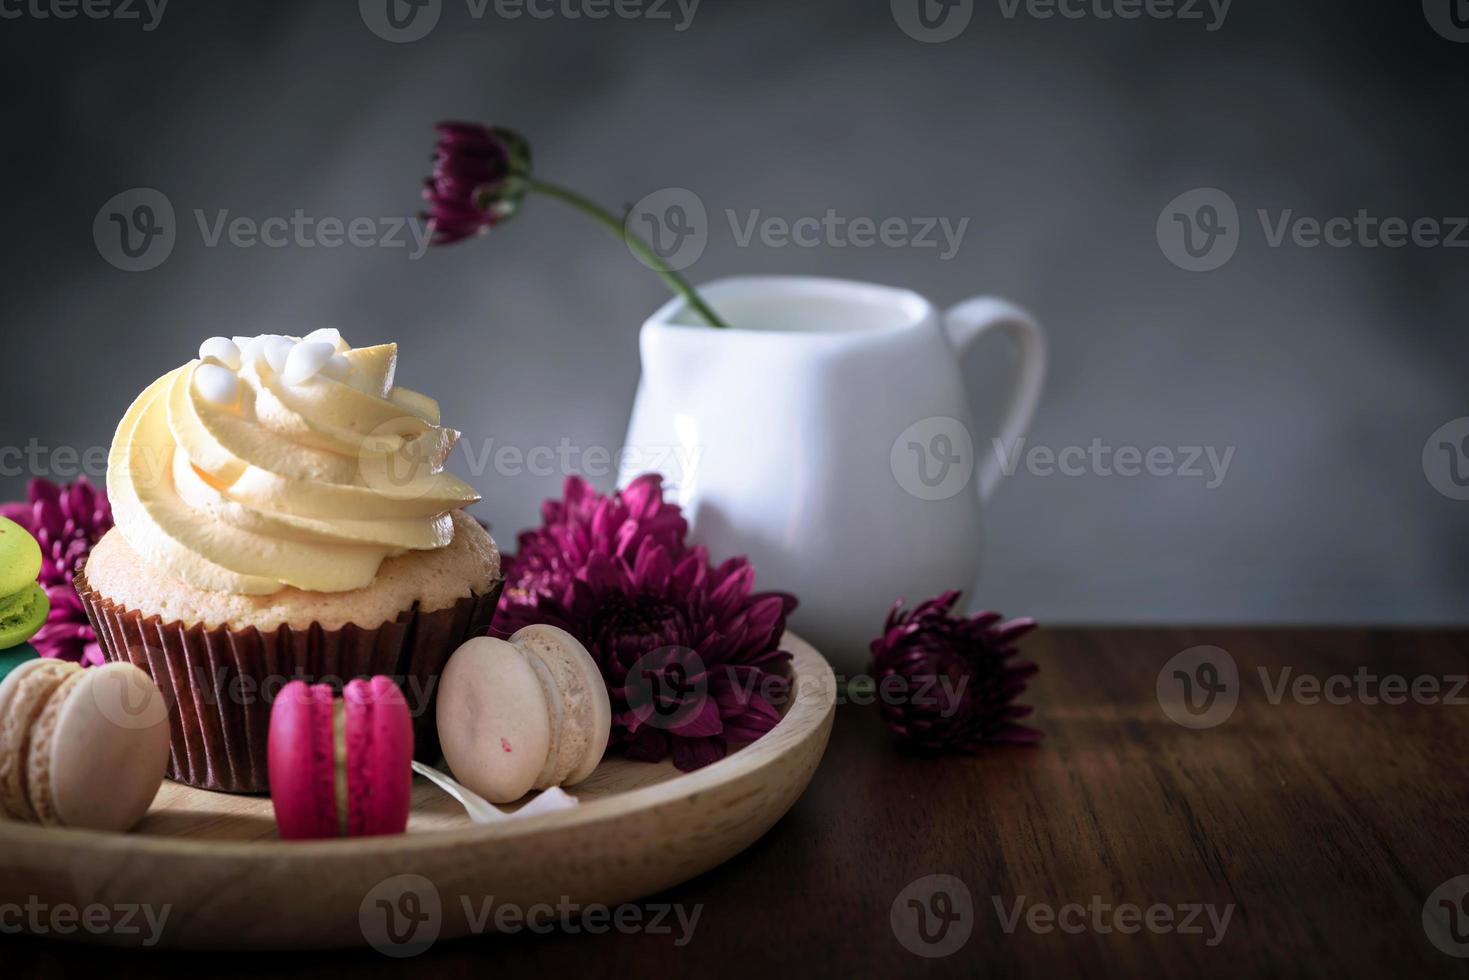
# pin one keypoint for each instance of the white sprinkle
(325, 335)
(305, 360)
(218, 385)
(278, 351)
(222, 350)
(253, 348)
(338, 368)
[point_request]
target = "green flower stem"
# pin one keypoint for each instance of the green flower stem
(641, 248)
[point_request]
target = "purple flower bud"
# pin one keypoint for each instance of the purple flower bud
(480, 177)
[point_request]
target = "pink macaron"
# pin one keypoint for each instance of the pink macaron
(341, 767)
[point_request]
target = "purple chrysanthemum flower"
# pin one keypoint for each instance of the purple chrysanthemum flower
(690, 654)
(954, 678)
(66, 522)
(584, 523)
(480, 177)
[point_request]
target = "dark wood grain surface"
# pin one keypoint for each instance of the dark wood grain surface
(1321, 830)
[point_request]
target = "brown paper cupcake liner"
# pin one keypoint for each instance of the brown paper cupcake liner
(220, 683)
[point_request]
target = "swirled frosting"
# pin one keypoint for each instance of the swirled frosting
(276, 461)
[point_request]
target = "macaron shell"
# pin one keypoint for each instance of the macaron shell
(301, 761)
(379, 758)
(109, 749)
(587, 708)
(23, 616)
(493, 721)
(23, 695)
(20, 557)
(39, 753)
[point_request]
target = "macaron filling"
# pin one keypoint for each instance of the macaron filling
(339, 757)
(9, 602)
(551, 772)
(42, 742)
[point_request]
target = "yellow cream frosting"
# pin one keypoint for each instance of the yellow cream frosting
(229, 478)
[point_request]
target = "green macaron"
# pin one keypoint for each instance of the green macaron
(23, 603)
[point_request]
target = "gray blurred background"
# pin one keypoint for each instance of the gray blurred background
(1060, 140)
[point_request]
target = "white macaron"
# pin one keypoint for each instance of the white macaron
(526, 713)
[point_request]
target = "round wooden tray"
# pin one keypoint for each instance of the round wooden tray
(228, 881)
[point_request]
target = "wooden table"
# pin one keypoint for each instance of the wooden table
(1321, 828)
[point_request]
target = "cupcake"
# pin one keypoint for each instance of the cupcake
(282, 513)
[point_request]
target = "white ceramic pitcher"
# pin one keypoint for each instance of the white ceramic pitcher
(827, 435)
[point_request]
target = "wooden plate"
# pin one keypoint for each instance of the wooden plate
(228, 881)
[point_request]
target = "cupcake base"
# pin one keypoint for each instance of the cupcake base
(220, 683)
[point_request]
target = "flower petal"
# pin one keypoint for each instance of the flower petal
(703, 721)
(690, 754)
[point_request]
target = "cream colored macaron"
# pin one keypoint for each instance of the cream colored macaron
(81, 747)
(528, 713)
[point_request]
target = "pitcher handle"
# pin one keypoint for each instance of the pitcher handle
(971, 320)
